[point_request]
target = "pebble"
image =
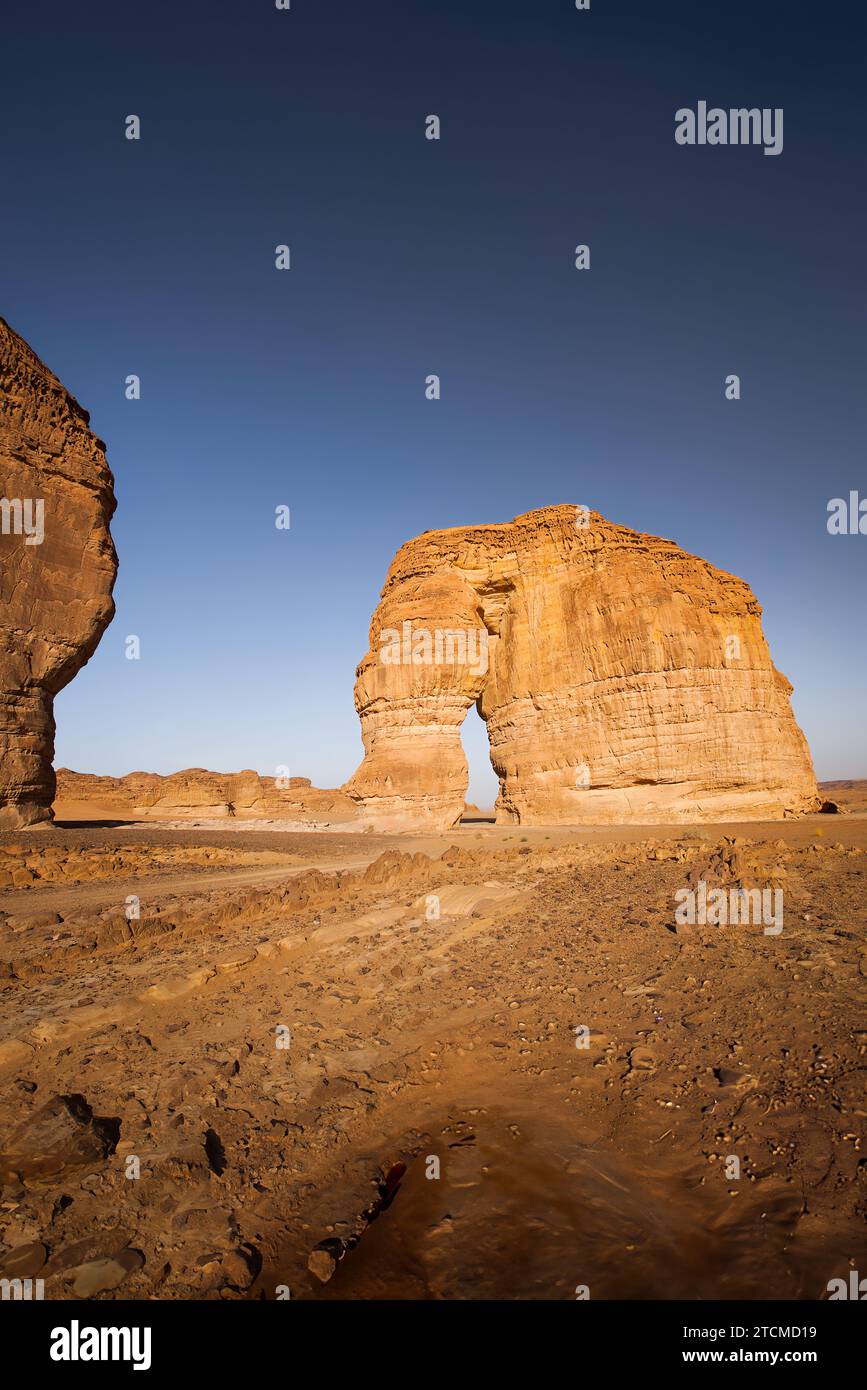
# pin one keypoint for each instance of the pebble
(99, 1275)
(24, 1261)
(321, 1264)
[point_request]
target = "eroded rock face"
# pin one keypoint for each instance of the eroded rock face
(621, 680)
(57, 568)
(198, 793)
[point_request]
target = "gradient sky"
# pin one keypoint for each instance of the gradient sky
(306, 387)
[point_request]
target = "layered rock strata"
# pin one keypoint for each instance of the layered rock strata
(621, 680)
(195, 792)
(57, 568)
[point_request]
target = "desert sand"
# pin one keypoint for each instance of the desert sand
(287, 1036)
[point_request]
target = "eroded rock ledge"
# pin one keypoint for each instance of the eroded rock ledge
(194, 793)
(621, 679)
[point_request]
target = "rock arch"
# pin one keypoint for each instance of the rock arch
(626, 681)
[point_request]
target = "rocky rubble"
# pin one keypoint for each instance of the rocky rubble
(583, 1075)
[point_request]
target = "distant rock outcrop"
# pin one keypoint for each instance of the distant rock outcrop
(197, 793)
(57, 568)
(621, 679)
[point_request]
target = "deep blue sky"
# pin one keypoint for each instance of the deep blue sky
(306, 387)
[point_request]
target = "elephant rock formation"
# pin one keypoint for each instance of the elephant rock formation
(621, 680)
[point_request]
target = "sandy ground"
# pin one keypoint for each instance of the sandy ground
(475, 1065)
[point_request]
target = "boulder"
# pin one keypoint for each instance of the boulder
(64, 1133)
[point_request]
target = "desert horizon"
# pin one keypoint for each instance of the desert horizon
(66, 805)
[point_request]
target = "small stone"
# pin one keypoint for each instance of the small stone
(24, 1261)
(322, 1264)
(99, 1275)
(727, 1077)
(642, 1059)
(32, 921)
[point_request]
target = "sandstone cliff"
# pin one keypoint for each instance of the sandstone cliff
(621, 679)
(197, 793)
(57, 568)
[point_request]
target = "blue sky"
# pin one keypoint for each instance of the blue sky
(306, 387)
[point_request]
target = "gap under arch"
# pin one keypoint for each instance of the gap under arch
(483, 782)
